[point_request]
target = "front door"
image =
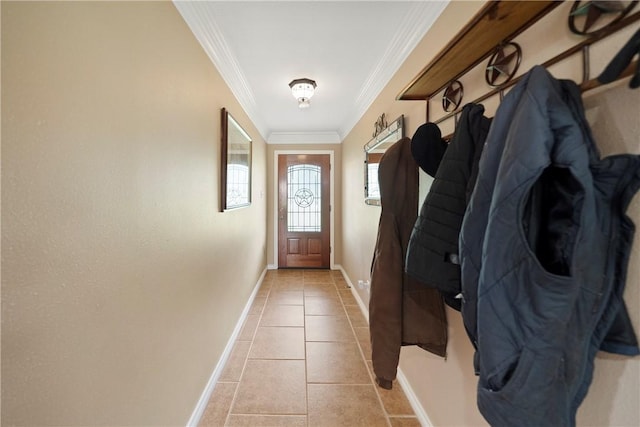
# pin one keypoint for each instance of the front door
(303, 211)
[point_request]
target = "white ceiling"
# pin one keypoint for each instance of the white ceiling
(350, 48)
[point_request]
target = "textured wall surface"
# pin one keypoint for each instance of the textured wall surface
(615, 392)
(121, 280)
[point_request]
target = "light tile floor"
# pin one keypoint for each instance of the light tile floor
(303, 358)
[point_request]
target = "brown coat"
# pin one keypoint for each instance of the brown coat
(401, 310)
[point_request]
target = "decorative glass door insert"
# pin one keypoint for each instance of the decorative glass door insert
(304, 198)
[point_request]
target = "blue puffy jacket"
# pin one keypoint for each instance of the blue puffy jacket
(544, 251)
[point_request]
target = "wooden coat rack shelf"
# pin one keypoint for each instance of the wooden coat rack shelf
(499, 22)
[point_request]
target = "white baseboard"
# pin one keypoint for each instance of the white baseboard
(363, 307)
(194, 420)
(421, 414)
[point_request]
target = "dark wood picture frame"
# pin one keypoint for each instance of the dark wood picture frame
(235, 168)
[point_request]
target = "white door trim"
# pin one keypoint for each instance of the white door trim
(276, 153)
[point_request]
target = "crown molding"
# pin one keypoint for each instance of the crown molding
(204, 27)
(415, 24)
(417, 21)
(304, 138)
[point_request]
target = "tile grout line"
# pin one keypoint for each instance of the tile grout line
(306, 369)
(273, 286)
(364, 359)
(246, 359)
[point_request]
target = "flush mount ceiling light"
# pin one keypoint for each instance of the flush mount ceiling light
(302, 90)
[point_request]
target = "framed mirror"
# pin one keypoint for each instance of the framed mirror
(235, 190)
(374, 149)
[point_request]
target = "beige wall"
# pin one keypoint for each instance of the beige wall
(120, 279)
(615, 392)
(336, 149)
(446, 389)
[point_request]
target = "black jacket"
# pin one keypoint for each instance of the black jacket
(432, 256)
(544, 249)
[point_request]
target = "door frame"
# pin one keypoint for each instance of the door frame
(276, 153)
